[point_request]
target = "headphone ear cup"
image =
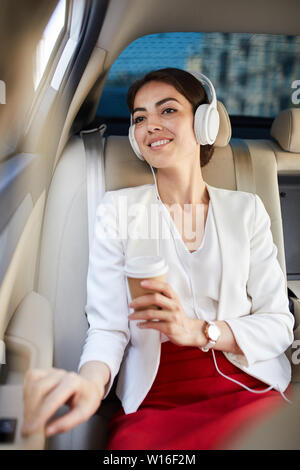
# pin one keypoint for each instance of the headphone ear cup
(213, 124)
(134, 144)
(206, 124)
(200, 123)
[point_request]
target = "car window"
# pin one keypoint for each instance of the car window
(253, 74)
(22, 65)
(49, 40)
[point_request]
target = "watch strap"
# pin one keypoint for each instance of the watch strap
(208, 346)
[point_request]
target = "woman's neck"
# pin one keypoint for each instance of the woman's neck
(183, 188)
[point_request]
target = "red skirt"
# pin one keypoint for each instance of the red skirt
(191, 406)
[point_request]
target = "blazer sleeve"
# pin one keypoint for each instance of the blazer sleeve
(107, 306)
(268, 331)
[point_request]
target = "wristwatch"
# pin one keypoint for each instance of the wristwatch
(212, 333)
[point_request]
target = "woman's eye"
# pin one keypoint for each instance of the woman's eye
(169, 110)
(138, 119)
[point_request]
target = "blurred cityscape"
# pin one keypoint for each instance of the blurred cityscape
(252, 73)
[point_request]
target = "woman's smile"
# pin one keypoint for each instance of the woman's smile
(159, 144)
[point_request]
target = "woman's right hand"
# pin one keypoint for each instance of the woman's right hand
(46, 390)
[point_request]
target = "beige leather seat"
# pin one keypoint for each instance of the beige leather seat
(64, 249)
(286, 147)
(281, 429)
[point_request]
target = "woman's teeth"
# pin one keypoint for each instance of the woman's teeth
(159, 142)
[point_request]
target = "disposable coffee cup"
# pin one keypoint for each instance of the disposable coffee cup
(141, 268)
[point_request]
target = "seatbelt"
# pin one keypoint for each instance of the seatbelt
(244, 173)
(94, 151)
(94, 143)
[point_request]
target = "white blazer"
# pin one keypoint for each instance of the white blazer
(250, 270)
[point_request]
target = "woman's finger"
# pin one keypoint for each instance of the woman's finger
(51, 403)
(38, 384)
(83, 404)
(33, 376)
(162, 326)
(153, 299)
(72, 418)
(150, 315)
(160, 286)
(69, 386)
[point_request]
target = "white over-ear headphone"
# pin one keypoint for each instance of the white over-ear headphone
(206, 120)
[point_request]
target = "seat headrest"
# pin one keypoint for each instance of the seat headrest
(286, 129)
(224, 134)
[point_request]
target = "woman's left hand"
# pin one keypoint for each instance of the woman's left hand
(170, 319)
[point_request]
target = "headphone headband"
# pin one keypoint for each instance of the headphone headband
(204, 80)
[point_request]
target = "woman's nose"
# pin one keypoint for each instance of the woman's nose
(153, 124)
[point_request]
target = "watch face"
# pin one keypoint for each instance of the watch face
(213, 332)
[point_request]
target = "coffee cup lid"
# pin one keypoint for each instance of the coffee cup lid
(145, 266)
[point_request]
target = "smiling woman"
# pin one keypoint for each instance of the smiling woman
(202, 364)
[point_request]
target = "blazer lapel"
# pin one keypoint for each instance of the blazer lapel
(145, 224)
(225, 220)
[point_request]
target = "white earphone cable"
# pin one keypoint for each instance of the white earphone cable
(245, 386)
(194, 305)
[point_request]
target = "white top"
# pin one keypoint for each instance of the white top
(203, 266)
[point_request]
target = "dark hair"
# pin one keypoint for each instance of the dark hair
(186, 84)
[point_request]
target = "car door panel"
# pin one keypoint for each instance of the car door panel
(25, 319)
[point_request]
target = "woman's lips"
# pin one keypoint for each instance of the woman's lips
(158, 144)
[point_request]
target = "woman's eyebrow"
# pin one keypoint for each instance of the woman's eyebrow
(159, 103)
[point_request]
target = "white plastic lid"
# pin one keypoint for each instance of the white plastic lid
(145, 266)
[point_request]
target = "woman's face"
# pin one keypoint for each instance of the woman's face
(164, 125)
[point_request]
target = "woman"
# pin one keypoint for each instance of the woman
(170, 359)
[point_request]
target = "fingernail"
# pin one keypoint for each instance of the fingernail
(51, 430)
